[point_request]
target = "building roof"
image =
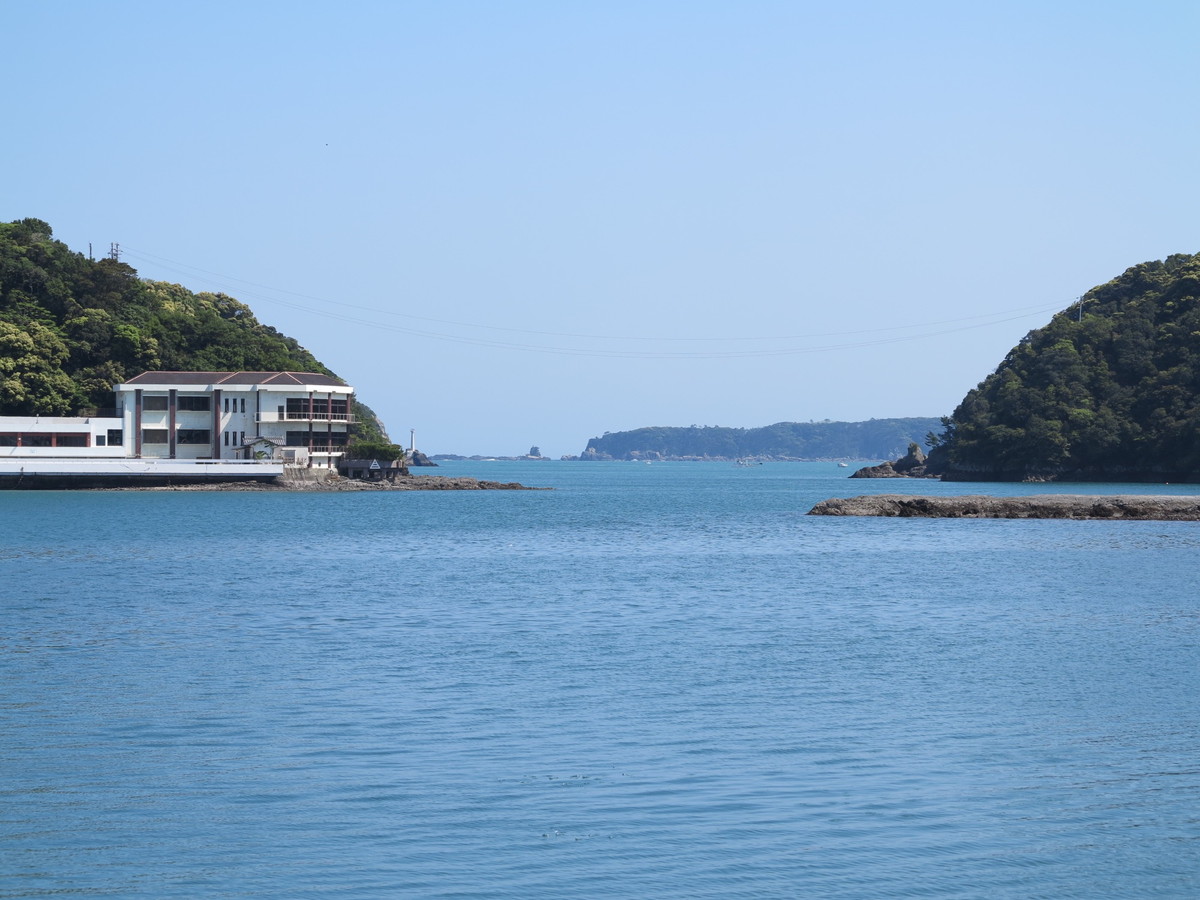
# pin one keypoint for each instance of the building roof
(231, 378)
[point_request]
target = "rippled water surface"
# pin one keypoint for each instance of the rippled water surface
(653, 681)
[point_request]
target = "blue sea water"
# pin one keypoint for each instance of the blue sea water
(653, 681)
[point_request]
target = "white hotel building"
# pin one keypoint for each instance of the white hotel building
(190, 425)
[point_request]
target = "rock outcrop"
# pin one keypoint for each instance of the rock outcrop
(1045, 506)
(911, 465)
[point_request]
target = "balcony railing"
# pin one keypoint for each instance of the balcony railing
(316, 416)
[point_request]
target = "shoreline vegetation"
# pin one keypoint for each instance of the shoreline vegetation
(1045, 506)
(71, 327)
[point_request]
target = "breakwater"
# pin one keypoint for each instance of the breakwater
(1046, 506)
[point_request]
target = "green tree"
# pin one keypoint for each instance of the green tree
(93, 323)
(374, 449)
(1114, 392)
(32, 381)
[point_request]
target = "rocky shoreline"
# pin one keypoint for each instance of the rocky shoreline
(1046, 506)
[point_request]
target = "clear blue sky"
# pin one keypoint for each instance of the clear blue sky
(519, 223)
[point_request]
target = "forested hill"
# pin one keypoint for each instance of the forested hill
(71, 327)
(876, 439)
(1109, 390)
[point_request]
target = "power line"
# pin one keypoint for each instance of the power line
(943, 327)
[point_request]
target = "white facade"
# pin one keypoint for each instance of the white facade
(54, 437)
(93, 451)
(300, 418)
(186, 426)
(19, 472)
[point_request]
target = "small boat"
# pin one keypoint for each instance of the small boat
(843, 465)
(745, 462)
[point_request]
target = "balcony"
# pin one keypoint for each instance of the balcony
(316, 416)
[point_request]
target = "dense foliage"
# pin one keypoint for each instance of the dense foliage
(876, 439)
(1108, 390)
(374, 448)
(71, 327)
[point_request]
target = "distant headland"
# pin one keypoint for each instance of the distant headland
(875, 438)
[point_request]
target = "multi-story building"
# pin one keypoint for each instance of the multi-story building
(173, 427)
(299, 417)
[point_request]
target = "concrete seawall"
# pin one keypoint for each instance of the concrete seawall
(1046, 506)
(334, 484)
(70, 473)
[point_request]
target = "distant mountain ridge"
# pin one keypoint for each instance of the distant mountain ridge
(873, 439)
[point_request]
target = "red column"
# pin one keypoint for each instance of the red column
(216, 424)
(137, 423)
(172, 402)
(310, 427)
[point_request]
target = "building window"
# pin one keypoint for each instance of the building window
(115, 437)
(71, 440)
(35, 440)
(243, 437)
(195, 404)
(153, 403)
(297, 439)
(243, 404)
(226, 438)
(226, 404)
(193, 435)
(154, 435)
(9, 439)
(100, 440)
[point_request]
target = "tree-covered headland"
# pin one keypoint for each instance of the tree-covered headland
(72, 327)
(874, 439)
(1109, 390)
